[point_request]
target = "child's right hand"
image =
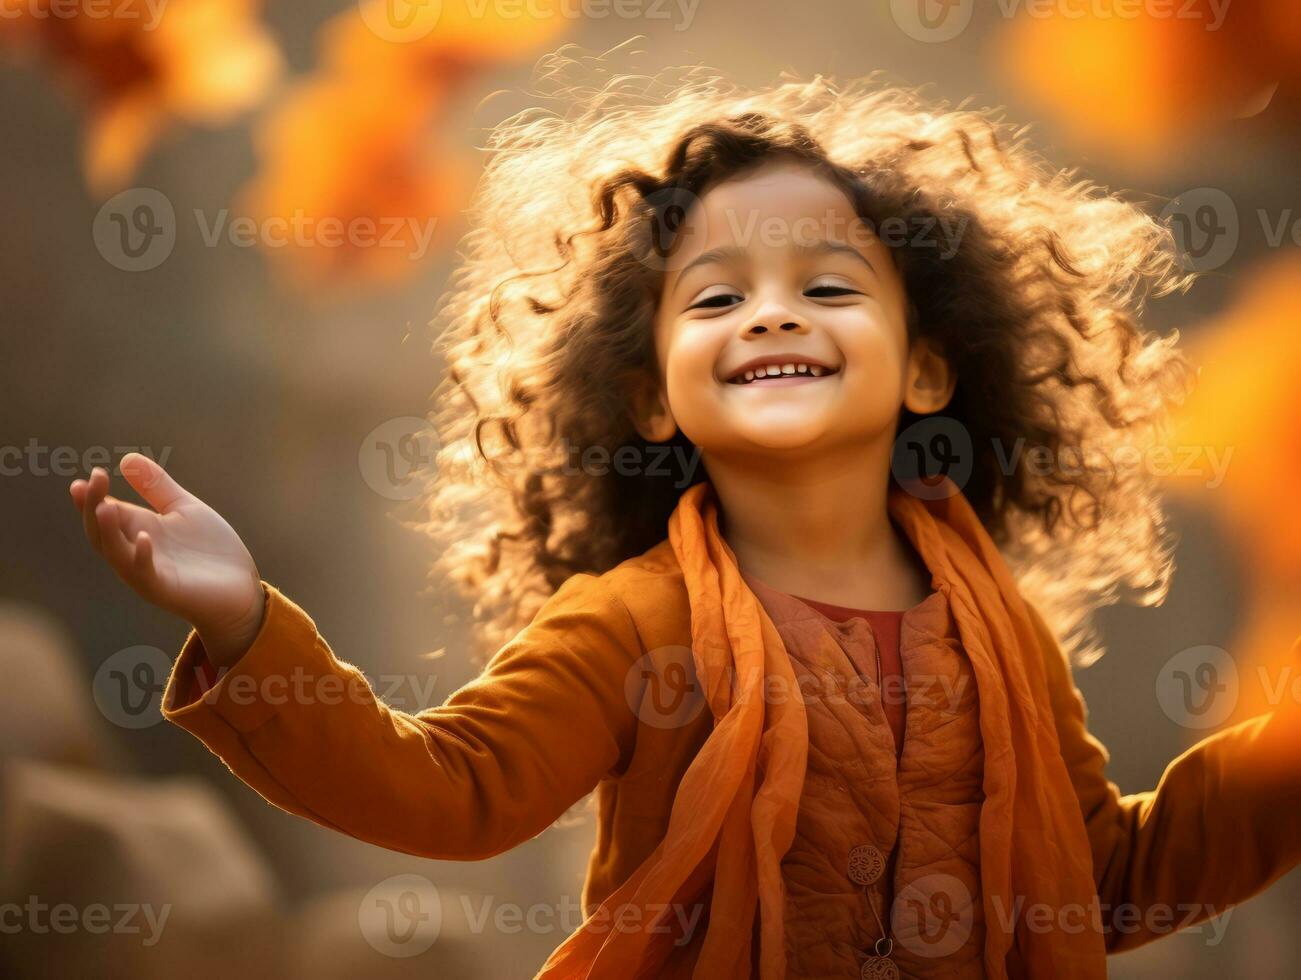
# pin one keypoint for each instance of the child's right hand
(182, 556)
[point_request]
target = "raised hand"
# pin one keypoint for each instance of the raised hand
(181, 555)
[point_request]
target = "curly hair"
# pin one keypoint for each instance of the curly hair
(1033, 294)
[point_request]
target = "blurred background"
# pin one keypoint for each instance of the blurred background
(227, 225)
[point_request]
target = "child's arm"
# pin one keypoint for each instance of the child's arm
(1223, 823)
(493, 766)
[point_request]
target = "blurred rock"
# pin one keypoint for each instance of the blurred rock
(46, 711)
(117, 876)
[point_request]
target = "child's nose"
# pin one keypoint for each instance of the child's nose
(777, 316)
(790, 326)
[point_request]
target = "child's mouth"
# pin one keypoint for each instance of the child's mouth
(783, 376)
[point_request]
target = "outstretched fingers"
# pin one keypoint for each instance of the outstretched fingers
(117, 550)
(143, 568)
(152, 482)
(127, 535)
(92, 492)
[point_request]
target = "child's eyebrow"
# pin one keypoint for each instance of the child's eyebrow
(731, 253)
(721, 255)
(829, 246)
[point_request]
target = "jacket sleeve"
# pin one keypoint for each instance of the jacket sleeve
(1223, 822)
(493, 766)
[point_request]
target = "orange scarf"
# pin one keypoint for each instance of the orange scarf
(734, 814)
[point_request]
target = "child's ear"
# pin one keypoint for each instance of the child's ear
(931, 379)
(650, 412)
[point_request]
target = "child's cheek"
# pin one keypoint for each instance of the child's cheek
(689, 366)
(875, 367)
(693, 358)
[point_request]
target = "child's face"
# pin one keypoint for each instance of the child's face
(775, 265)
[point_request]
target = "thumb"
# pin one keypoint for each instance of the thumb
(152, 482)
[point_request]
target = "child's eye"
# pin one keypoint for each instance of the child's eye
(713, 302)
(829, 290)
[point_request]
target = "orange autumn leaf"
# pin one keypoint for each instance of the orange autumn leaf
(1247, 406)
(148, 65)
(440, 37)
(351, 183)
(354, 147)
(1136, 78)
(1246, 410)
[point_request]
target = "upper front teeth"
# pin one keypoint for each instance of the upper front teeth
(772, 370)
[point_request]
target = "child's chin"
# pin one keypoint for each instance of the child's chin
(778, 438)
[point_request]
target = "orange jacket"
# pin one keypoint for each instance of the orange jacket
(561, 710)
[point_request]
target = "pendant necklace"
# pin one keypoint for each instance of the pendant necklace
(866, 865)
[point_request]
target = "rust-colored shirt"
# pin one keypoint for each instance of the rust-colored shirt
(886, 625)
